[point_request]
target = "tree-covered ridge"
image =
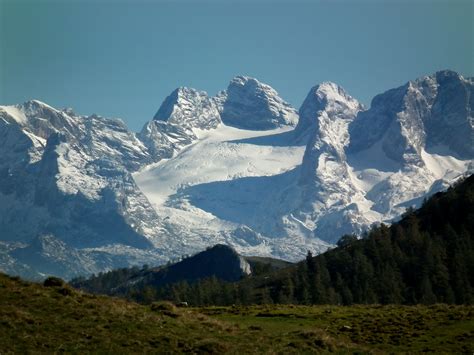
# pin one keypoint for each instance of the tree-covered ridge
(220, 261)
(215, 264)
(426, 257)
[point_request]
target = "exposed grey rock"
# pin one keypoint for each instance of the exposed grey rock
(452, 111)
(326, 97)
(47, 255)
(363, 167)
(164, 139)
(189, 108)
(70, 176)
(325, 175)
(417, 115)
(250, 104)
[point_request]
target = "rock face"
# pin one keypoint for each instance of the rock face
(189, 108)
(165, 139)
(362, 167)
(73, 179)
(250, 104)
(326, 101)
(325, 175)
(172, 127)
(46, 254)
(69, 177)
(417, 116)
(83, 194)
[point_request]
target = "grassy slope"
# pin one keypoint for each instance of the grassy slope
(34, 318)
(437, 328)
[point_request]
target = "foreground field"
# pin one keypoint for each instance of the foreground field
(34, 318)
(372, 328)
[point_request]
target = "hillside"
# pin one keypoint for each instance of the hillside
(426, 257)
(220, 261)
(34, 318)
(219, 264)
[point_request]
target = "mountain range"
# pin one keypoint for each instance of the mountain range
(426, 257)
(83, 194)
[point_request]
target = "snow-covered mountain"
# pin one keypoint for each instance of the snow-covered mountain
(250, 104)
(421, 134)
(189, 108)
(429, 113)
(328, 205)
(229, 169)
(367, 166)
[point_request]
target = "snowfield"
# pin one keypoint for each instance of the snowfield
(232, 179)
(83, 194)
(227, 181)
(223, 154)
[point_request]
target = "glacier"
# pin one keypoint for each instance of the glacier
(83, 194)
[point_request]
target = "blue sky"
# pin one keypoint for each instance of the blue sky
(122, 58)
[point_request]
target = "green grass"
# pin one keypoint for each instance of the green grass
(41, 319)
(437, 328)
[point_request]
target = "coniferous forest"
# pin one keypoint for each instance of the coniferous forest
(427, 257)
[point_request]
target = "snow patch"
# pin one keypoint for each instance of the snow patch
(16, 114)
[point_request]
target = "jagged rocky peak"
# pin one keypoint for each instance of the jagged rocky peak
(330, 99)
(324, 119)
(250, 104)
(452, 111)
(330, 96)
(98, 136)
(189, 109)
(164, 139)
(40, 119)
(416, 116)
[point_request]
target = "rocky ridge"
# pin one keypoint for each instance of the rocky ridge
(77, 182)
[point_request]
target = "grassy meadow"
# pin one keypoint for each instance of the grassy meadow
(39, 319)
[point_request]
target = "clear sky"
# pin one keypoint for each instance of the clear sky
(122, 58)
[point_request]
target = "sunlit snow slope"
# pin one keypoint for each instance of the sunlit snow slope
(226, 183)
(342, 169)
(244, 188)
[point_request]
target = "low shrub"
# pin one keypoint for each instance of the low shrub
(163, 306)
(53, 281)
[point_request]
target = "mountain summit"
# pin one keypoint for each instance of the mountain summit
(229, 169)
(189, 108)
(250, 104)
(417, 116)
(328, 100)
